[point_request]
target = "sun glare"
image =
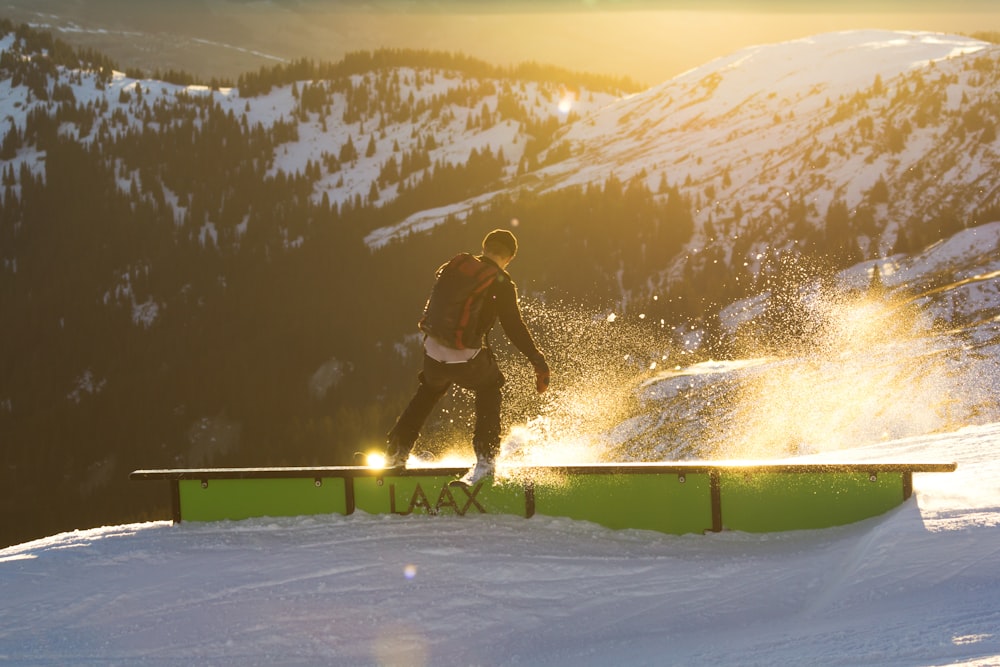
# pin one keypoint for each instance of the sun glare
(534, 445)
(450, 458)
(566, 102)
(875, 371)
(375, 460)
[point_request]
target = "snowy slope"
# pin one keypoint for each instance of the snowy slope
(811, 120)
(918, 586)
(815, 119)
(321, 133)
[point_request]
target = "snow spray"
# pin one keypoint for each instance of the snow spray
(871, 367)
(598, 359)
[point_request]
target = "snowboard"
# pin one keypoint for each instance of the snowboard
(475, 475)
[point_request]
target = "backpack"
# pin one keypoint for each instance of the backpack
(451, 314)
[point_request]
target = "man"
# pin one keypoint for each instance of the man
(472, 367)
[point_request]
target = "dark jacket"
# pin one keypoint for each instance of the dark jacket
(501, 303)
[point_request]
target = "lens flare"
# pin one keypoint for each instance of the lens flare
(375, 460)
(567, 100)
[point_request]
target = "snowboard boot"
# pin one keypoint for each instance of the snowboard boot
(484, 468)
(397, 451)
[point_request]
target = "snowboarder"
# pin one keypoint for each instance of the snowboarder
(481, 289)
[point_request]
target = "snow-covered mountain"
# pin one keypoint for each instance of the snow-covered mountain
(864, 143)
(814, 120)
(900, 123)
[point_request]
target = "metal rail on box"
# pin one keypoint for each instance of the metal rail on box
(675, 498)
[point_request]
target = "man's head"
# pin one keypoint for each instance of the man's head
(500, 244)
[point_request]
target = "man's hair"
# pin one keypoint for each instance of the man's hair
(500, 242)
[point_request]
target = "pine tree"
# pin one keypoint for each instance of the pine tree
(347, 152)
(11, 143)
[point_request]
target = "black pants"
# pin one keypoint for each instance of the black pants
(481, 375)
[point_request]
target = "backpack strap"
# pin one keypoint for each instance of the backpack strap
(483, 274)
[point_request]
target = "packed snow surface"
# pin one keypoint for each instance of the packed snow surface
(917, 586)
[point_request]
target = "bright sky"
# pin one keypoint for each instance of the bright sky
(649, 45)
(649, 40)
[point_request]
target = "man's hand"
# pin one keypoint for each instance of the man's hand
(542, 379)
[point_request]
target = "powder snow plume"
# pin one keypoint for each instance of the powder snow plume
(598, 360)
(872, 370)
(835, 368)
(822, 368)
